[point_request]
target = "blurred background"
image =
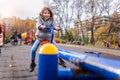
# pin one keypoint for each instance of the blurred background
(83, 22)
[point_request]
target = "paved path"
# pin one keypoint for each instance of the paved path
(102, 50)
(15, 61)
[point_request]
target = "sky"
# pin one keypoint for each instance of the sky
(20, 8)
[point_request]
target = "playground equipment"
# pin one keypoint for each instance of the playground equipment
(91, 67)
(106, 69)
(48, 65)
(28, 37)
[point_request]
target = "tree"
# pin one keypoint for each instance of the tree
(93, 8)
(112, 10)
(79, 11)
(63, 10)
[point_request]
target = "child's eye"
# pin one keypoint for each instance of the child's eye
(47, 13)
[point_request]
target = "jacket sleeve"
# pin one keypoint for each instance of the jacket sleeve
(39, 23)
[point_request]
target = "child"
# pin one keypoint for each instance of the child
(45, 19)
(108, 44)
(119, 44)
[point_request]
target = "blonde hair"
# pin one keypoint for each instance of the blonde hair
(46, 8)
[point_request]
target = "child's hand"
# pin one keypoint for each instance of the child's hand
(57, 28)
(43, 27)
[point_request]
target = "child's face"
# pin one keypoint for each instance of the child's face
(46, 14)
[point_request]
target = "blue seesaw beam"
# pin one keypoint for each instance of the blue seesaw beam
(103, 67)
